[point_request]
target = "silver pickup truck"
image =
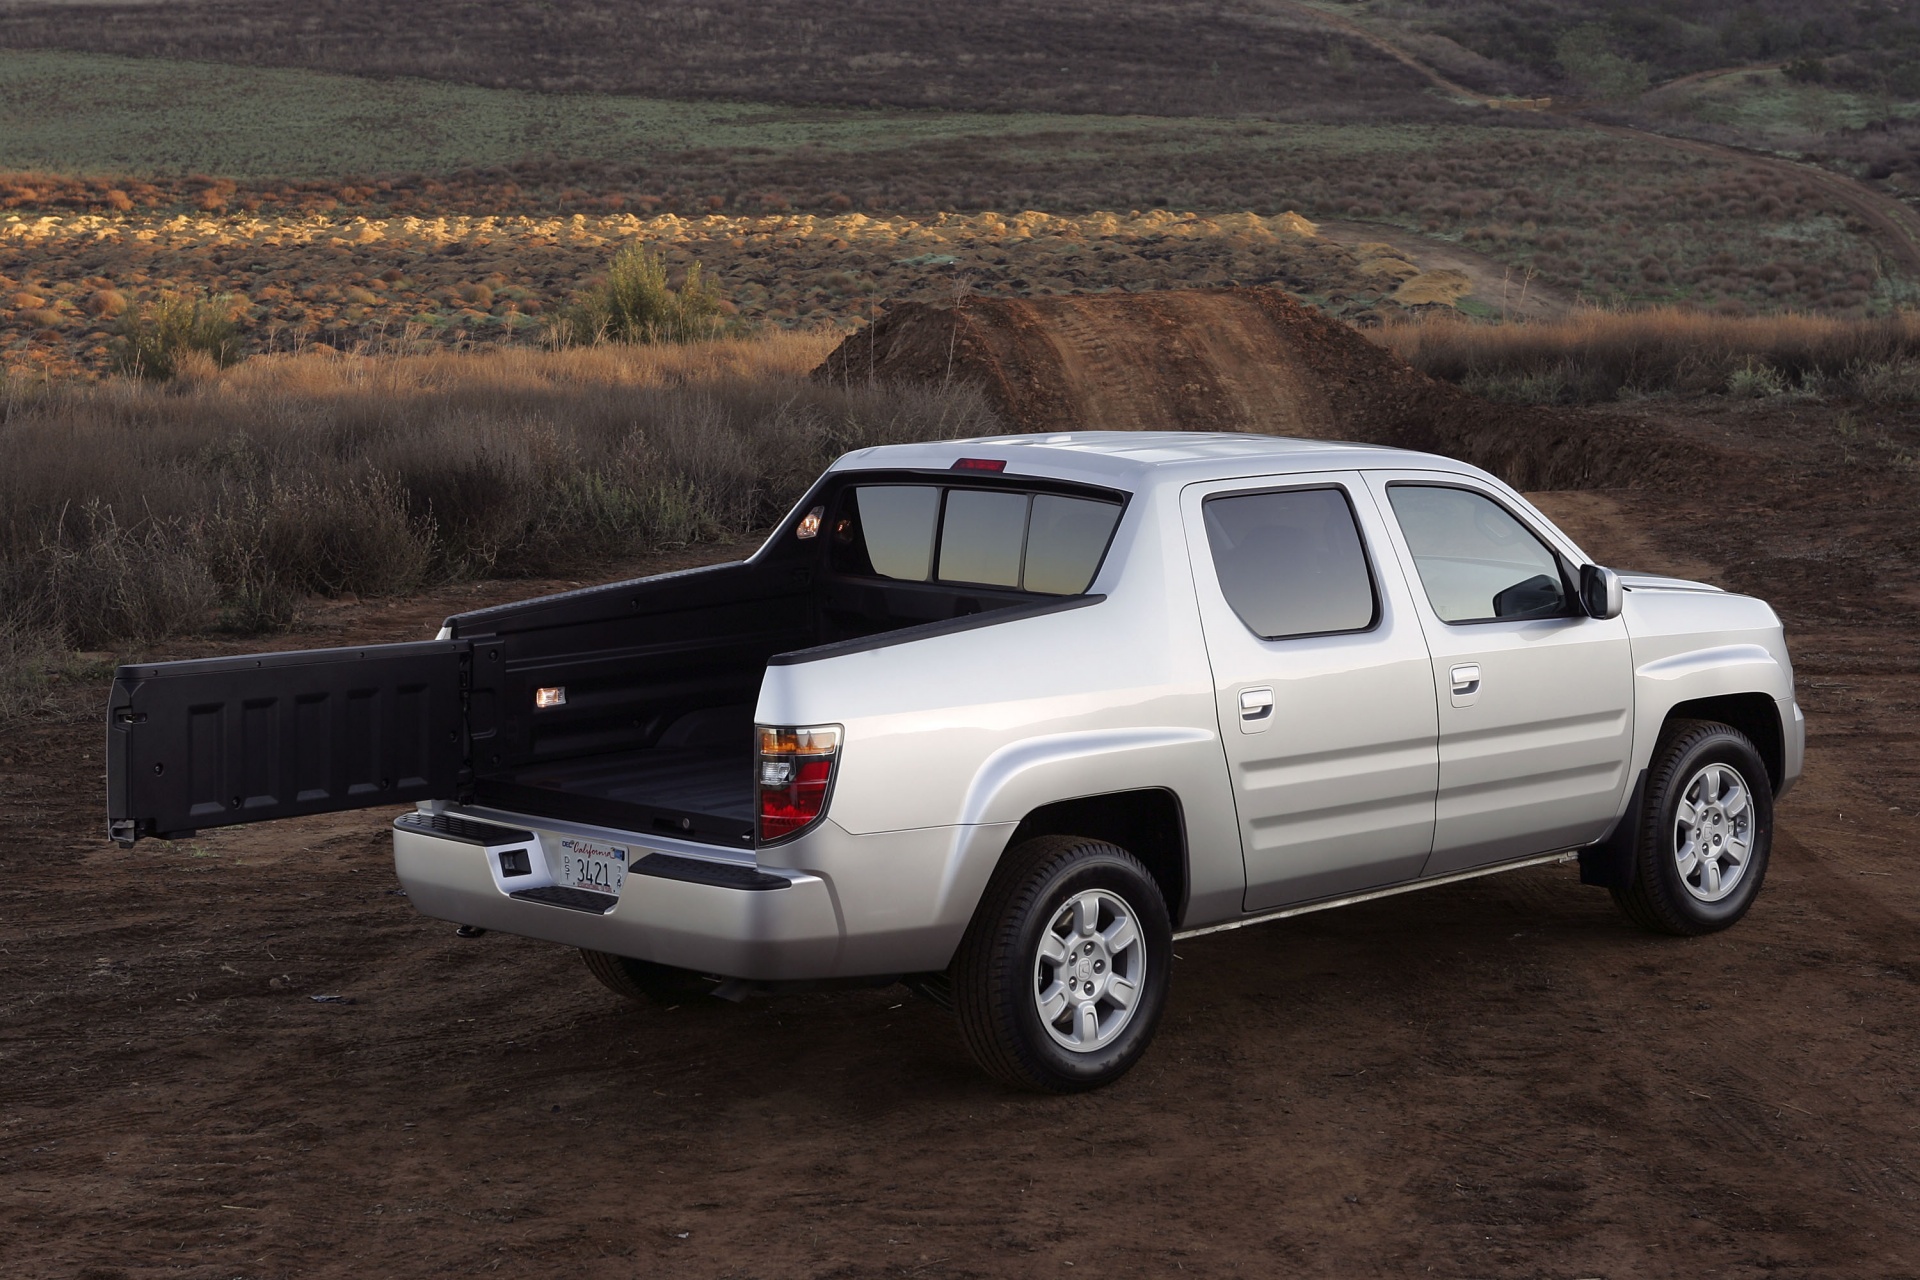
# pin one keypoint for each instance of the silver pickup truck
(1003, 718)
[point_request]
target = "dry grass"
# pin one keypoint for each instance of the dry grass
(459, 281)
(129, 512)
(1605, 355)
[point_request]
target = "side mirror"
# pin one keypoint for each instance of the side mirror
(1600, 592)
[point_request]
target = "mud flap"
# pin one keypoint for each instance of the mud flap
(1609, 864)
(220, 741)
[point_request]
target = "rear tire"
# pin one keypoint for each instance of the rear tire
(646, 982)
(1061, 979)
(1706, 831)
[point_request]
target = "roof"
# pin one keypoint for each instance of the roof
(1131, 459)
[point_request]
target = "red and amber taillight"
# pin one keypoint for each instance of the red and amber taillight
(795, 770)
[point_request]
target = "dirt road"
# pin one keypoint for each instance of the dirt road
(1500, 1078)
(1896, 223)
(1510, 294)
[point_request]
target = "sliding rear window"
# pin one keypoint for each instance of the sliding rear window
(1044, 543)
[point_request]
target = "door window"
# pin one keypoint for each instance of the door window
(1291, 562)
(1476, 561)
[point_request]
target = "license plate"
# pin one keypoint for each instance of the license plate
(590, 865)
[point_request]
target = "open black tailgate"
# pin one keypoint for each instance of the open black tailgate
(218, 741)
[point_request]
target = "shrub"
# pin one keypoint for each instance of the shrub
(1543, 386)
(1756, 380)
(93, 579)
(1585, 55)
(152, 339)
(1807, 69)
(1886, 381)
(637, 304)
(27, 650)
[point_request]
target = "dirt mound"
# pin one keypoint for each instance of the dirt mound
(1231, 360)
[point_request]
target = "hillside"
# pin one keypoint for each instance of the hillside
(1079, 56)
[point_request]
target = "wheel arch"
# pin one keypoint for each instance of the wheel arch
(1757, 715)
(1148, 822)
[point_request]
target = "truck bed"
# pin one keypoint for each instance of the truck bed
(704, 792)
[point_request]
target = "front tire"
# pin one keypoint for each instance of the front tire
(646, 982)
(1706, 832)
(1063, 974)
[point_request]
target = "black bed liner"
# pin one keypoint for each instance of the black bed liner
(705, 793)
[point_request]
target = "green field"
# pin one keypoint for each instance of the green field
(86, 113)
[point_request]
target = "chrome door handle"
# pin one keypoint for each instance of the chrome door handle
(1256, 709)
(1466, 679)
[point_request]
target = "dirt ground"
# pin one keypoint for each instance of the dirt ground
(1498, 1078)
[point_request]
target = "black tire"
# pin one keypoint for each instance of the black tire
(995, 978)
(647, 982)
(1660, 898)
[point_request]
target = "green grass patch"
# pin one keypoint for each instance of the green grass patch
(89, 113)
(1769, 107)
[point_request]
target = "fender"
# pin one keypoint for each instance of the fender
(1662, 684)
(1022, 776)
(1013, 780)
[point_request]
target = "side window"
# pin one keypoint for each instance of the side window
(1291, 563)
(1045, 543)
(1477, 563)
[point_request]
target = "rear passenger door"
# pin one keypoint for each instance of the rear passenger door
(1535, 697)
(1322, 684)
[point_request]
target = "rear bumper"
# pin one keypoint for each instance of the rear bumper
(901, 905)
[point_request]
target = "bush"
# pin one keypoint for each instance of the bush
(27, 650)
(1584, 53)
(637, 304)
(93, 579)
(1756, 380)
(1886, 381)
(157, 339)
(1806, 70)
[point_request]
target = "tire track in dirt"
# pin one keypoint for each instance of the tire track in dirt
(1381, 44)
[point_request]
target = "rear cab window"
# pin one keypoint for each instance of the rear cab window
(1005, 538)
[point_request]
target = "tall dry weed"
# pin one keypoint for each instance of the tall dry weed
(129, 511)
(1604, 355)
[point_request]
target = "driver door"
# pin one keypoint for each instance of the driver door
(1535, 697)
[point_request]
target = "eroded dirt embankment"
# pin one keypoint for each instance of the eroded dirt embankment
(1234, 360)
